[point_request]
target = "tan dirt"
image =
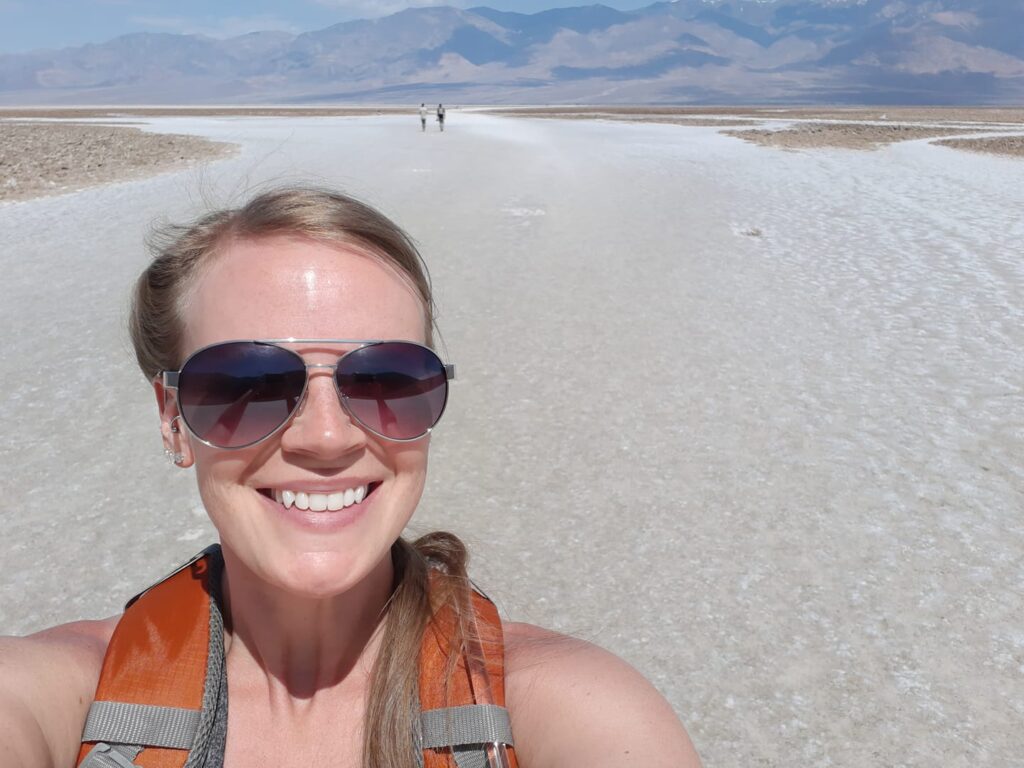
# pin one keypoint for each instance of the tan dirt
(841, 135)
(1001, 145)
(39, 159)
(904, 114)
(857, 129)
(896, 114)
(94, 112)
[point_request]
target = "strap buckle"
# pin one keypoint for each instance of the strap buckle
(104, 755)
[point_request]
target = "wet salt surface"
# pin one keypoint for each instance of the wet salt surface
(751, 419)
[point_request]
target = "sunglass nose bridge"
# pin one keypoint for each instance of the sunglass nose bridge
(303, 400)
(332, 368)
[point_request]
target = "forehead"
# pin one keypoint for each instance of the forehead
(289, 286)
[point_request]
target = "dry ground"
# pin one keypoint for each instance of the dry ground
(40, 158)
(1002, 145)
(857, 128)
(844, 135)
(49, 158)
(901, 114)
(93, 112)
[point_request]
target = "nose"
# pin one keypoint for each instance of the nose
(322, 428)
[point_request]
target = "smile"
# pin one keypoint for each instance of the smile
(320, 502)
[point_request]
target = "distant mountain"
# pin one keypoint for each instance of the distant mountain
(687, 51)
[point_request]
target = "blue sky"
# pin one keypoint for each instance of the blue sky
(30, 24)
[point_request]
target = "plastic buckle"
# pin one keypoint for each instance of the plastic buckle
(105, 756)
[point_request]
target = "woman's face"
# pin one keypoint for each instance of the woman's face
(294, 287)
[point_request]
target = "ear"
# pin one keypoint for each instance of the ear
(172, 428)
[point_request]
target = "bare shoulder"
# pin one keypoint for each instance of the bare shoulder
(72, 650)
(573, 703)
(47, 681)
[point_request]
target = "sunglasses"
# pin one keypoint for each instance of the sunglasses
(234, 394)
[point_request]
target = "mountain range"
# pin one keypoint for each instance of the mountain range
(682, 52)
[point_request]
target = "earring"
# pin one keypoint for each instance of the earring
(177, 458)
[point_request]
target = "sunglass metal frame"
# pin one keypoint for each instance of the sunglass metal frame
(169, 379)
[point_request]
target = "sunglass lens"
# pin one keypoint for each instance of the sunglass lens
(396, 389)
(234, 394)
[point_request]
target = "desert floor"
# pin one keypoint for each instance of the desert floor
(750, 416)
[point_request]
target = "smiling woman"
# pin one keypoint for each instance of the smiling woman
(289, 345)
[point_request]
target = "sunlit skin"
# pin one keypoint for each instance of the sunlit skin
(305, 598)
(294, 287)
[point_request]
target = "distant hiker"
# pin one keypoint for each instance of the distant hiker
(440, 115)
(423, 116)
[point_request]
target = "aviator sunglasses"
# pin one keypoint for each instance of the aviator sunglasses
(234, 394)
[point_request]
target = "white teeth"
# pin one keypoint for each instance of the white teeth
(321, 502)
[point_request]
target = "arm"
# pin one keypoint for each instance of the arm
(573, 703)
(47, 681)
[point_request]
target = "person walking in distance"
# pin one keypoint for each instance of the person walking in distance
(440, 115)
(423, 116)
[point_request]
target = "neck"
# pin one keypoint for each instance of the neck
(295, 645)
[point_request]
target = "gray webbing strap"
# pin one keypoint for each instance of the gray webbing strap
(466, 729)
(107, 756)
(469, 724)
(141, 724)
(211, 737)
(470, 757)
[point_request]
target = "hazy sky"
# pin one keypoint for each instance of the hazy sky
(29, 24)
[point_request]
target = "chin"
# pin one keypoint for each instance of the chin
(320, 575)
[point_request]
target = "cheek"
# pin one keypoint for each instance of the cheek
(409, 465)
(220, 479)
(410, 461)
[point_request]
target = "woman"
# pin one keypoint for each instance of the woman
(288, 345)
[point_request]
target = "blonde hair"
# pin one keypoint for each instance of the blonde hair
(157, 316)
(157, 323)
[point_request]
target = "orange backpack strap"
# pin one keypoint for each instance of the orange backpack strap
(154, 680)
(463, 722)
(162, 684)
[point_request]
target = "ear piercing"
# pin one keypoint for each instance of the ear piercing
(177, 458)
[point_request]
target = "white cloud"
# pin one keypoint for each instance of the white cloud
(229, 26)
(955, 19)
(375, 8)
